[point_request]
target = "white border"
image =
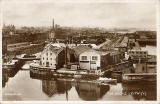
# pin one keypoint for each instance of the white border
(86, 1)
(158, 49)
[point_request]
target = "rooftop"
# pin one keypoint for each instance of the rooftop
(80, 49)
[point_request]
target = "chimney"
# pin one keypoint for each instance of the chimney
(53, 24)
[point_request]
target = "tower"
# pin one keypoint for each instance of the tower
(52, 33)
(53, 24)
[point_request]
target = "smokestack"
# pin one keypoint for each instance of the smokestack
(53, 24)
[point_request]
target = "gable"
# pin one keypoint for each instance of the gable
(50, 48)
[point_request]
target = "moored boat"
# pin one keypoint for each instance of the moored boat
(106, 80)
(10, 65)
(139, 78)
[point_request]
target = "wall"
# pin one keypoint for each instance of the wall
(61, 59)
(88, 64)
(49, 56)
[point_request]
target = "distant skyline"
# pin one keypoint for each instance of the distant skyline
(106, 15)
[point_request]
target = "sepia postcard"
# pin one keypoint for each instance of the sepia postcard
(73, 50)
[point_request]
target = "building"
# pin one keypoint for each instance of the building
(91, 59)
(123, 45)
(116, 57)
(152, 65)
(78, 50)
(105, 45)
(138, 54)
(53, 57)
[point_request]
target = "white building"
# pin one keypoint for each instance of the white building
(138, 53)
(52, 57)
(91, 59)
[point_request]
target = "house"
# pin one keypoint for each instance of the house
(123, 45)
(53, 57)
(78, 50)
(91, 59)
(136, 54)
(103, 44)
(116, 57)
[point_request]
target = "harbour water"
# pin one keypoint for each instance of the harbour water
(23, 87)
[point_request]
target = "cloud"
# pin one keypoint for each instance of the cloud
(108, 15)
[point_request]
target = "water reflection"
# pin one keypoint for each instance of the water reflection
(6, 75)
(140, 91)
(73, 90)
(91, 91)
(60, 88)
(5, 78)
(52, 87)
(9, 73)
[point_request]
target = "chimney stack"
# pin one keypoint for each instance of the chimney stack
(53, 24)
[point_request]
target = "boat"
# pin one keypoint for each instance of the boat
(139, 78)
(10, 65)
(20, 56)
(106, 80)
(29, 56)
(77, 76)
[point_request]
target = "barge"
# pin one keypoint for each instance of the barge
(139, 78)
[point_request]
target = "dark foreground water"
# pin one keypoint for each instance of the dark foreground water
(23, 87)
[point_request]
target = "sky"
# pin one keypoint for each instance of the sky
(89, 14)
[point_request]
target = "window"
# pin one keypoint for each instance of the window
(94, 57)
(51, 58)
(50, 53)
(84, 57)
(43, 58)
(47, 58)
(47, 64)
(47, 54)
(51, 64)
